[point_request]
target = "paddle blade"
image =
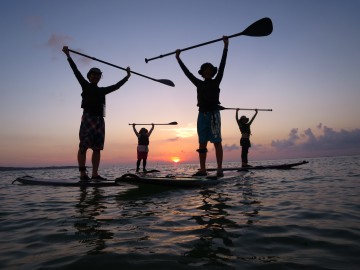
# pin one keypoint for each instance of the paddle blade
(167, 82)
(173, 123)
(260, 28)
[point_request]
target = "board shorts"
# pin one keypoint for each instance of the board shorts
(209, 127)
(245, 142)
(142, 151)
(92, 132)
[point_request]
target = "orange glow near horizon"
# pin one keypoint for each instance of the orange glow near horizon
(175, 159)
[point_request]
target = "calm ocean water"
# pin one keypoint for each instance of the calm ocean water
(304, 218)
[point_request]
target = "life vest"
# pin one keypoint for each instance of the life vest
(93, 101)
(208, 96)
(143, 140)
(245, 129)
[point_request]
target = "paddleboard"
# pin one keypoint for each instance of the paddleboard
(29, 180)
(172, 180)
(264, 167)
(129, 178)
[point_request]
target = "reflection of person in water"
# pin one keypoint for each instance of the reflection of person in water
(214, 222)
(88, 226)
(219, 224)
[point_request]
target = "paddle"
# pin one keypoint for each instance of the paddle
(163, 81)
(171, 123)
(260, 28)
(243, 109)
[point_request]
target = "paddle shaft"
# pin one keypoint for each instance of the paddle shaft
(107, 63)
(171, 124)
(262, 27)
(245, 109)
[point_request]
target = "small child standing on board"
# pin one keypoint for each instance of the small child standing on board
(244, 126)
(143, 146)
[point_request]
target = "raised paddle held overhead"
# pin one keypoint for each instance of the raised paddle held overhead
(163, 81)
(244, 109)
(171, 124)
(260, 28)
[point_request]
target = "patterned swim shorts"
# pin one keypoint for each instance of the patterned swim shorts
(209, 127)
(92, 132)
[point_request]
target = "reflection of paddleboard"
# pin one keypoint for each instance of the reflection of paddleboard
(171, 180)
(29, 180)
(265, 167)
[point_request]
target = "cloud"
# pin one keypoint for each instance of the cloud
(56, 42)
(330, 142)
(291, 141)
(229, 148)
(173, 139)
(185, 132)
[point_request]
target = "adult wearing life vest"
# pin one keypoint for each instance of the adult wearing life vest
(92, 128)
(209, 119)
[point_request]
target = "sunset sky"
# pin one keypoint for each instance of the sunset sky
(306, 71)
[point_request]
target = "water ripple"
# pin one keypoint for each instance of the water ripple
(305, 218)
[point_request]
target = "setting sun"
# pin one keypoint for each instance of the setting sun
(175, 159)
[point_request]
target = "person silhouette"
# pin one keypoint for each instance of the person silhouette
(143, 146)
(244, 126)
(209, 119)
(92, 127)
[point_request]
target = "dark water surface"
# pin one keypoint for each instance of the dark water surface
(304, 218)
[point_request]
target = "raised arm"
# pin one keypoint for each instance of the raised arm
(226, 42)
(120, 83)
(136, 132)
(186, 71)
(151, 130)
(66, 51)
(128, 73)
(74, 68)
(220, 73)
(252, 119)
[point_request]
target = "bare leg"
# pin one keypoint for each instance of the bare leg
(144, 164)
(202, 157)
(219, 155)
(81, 156)
(138, 164)
(95, 159)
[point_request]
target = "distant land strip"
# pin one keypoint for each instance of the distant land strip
(2, 169)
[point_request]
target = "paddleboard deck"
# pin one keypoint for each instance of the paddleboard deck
(29, 180)
(128, 178)
(264, 167)
(171, 180)
(147, 172)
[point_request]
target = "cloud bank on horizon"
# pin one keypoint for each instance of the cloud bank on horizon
(307, 144)
(328, 142)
